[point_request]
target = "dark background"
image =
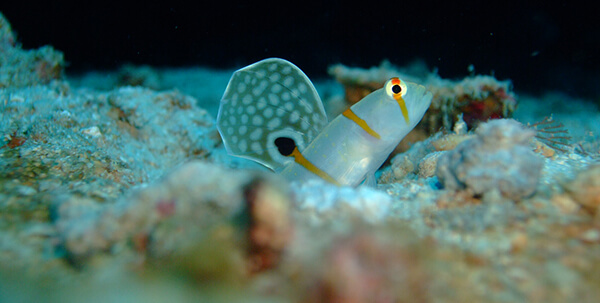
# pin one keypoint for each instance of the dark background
(539, 45)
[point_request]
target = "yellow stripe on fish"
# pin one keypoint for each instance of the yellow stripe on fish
(271, 113)
(398, 89)
(288, 148)
(360, 122)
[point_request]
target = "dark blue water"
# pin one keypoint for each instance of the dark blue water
(539, 46)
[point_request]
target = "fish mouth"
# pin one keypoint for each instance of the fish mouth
(421, 91)
(418, 101)
(418, 92)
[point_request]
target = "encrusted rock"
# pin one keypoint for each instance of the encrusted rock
(498, 158)
(270, 228)
(585, 189)
(20, 68)
(324, 202)
(364, 268)
(197, 196)
(401, 166)
(144, 75)
(428, 164)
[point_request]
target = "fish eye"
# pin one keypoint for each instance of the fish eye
(285, 145)
(396, 88)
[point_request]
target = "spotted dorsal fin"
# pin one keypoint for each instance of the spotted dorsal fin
(265, 101)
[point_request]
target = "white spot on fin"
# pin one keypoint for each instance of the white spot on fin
(265, 99)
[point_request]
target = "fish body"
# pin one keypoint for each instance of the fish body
(271, 113)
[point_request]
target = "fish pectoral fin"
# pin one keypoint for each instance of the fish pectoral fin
(265, 101)
(370, 180)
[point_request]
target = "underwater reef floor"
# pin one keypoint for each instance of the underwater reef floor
(115, 186)
(108, 193)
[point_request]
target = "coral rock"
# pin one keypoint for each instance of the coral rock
(20, 68)
(585, 189)
(144, 75)
(428, 165)
(270, 227)
(498, 158)
(193, 196)
(324, 201)
(477, 99)
(366, 269)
